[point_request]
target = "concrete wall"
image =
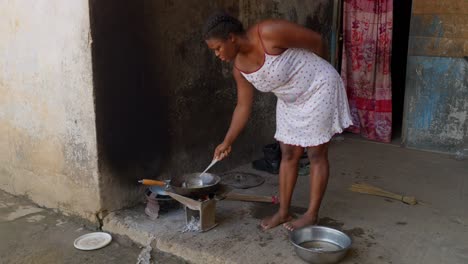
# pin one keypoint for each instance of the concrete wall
(436, 100)
(47, 126)
(163, 101)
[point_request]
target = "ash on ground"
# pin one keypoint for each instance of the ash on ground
(192, 226)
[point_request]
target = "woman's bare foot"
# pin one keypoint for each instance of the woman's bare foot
(305, 220)
(274, 220)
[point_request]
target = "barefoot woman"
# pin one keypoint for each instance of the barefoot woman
(284, 58)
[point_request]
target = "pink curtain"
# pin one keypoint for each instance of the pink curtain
(365, 67)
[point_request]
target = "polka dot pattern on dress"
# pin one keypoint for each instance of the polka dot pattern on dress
(312, 103)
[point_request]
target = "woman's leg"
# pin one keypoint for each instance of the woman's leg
(319, 170)
(290, 156)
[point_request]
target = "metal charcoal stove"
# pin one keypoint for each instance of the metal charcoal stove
(199, 195)
(203, 209)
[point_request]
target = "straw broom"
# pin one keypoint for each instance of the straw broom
(372, 190)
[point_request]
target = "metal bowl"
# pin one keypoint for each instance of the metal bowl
(193, 185)
(197, 180)
(320, 244)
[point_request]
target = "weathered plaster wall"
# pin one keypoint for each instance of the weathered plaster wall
(47, 127)
(436, 101)
(163, 101)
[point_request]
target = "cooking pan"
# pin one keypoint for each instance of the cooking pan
(190, 185)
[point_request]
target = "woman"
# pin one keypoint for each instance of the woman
(282, 57)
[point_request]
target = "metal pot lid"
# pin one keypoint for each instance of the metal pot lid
(241, 180)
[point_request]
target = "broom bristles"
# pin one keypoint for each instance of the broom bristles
(372, 190)
(368, 189)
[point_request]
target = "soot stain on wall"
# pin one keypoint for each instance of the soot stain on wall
(131, 115)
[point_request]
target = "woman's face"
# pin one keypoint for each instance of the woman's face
(225, 50)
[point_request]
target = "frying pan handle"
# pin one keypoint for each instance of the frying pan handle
(153, 182)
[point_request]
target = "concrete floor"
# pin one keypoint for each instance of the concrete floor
(33, 235)
(383, 230)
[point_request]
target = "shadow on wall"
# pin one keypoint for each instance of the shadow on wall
(131, 114)
(321, 21)
(200, 89)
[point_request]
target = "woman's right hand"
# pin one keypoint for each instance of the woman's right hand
(222, 151)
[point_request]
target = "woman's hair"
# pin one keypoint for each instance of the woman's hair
(220, 24)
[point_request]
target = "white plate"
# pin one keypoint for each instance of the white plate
(92, 241)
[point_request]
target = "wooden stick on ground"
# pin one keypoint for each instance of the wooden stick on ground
(372, 190)
(251, 198)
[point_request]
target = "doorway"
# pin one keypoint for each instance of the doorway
(399, 53)
(400, 39)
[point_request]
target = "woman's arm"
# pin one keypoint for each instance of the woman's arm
(243, 108)
(241, 114)
(282, 34)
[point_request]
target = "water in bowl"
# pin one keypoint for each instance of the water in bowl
(320, 245)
